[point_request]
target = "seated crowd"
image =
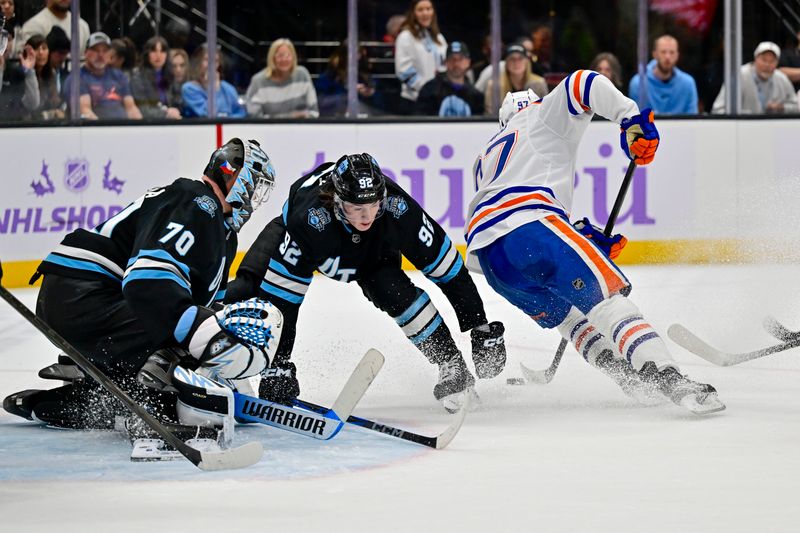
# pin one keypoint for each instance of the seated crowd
(431, 76)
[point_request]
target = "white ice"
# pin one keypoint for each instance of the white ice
(574, 455)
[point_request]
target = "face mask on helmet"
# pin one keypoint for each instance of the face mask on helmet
(357, 179)
(253, 184)
(513, 103)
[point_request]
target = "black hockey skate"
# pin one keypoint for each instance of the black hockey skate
(21, 403)
(628, 379)
(454, 379)
(699, 398)
(65, 369)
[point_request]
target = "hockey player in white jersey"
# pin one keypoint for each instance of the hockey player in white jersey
(519, 235)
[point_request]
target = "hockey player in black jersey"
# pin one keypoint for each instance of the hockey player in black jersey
(352, 224)
(152, 277)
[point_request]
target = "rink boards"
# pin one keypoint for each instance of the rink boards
(719, 190)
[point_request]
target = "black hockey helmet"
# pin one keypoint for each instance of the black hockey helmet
(254, 182)
(358, 179)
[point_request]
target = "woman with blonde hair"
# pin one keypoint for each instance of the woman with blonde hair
(516, 76)
(419, 52)
(283, 89)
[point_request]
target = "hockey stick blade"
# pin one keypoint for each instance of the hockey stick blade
(543, 377)
(360, 380)
(778, 330)
(228, 459)
(694, 344)
(437, 442)
(322, 424)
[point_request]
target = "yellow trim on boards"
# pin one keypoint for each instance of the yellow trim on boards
(17, 273)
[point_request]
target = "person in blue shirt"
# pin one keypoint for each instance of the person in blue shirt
(195, 97)
(105, 92)
(669, 89)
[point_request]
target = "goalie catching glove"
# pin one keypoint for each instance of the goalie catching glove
(639, 137)
(236, 342)
(611, 246)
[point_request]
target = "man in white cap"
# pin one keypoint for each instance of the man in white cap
(764, 88)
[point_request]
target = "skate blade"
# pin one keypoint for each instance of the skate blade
(455, 402)
(709, 404)
(151, 450)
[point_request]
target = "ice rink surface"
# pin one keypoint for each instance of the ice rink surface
(574, 455)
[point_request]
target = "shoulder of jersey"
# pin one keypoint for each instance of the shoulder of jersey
(305, 211)
(200, 197)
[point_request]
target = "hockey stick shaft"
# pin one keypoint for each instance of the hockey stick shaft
(386, 429)
(612, 219)
(691, 342)
(187, 451)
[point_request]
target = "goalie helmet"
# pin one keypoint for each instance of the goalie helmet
(513, 103)
(253, 183)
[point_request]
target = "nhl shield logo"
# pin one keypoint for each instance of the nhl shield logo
(76, 175)
(578, 283)
(318, 217)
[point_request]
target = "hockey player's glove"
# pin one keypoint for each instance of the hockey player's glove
(488, 349)
(279, 383)
(236, 342)
(611, 246)
(639, 137)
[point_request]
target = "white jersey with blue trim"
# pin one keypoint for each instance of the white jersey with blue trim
(526, 171)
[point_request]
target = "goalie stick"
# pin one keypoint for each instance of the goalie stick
(322, 423)
(245, 455)
(438, 442)
(543, 377)
(697, 346)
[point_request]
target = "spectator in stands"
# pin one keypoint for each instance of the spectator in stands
(764, 89)
(669, 89)
(179, 64)
(55, 13)
(283, 89)
(608, 65)
(450, 94)
(393, 27)
(19, 88)
(104, 91)
(331, 85)
(486, 74)
(179, 61)
(123, 55)
(8, 10)
(515, 76)
(790, 63)
(50, 103)
(59, 46)
(419, 52)
(484, 62)
(544, 62)
(194, 91)
(152, 83)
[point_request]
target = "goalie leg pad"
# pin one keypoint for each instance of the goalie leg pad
(203, 402)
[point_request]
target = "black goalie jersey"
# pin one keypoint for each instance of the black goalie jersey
(308, 236)
(167, 251)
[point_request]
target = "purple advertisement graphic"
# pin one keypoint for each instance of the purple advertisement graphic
(67, 214)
